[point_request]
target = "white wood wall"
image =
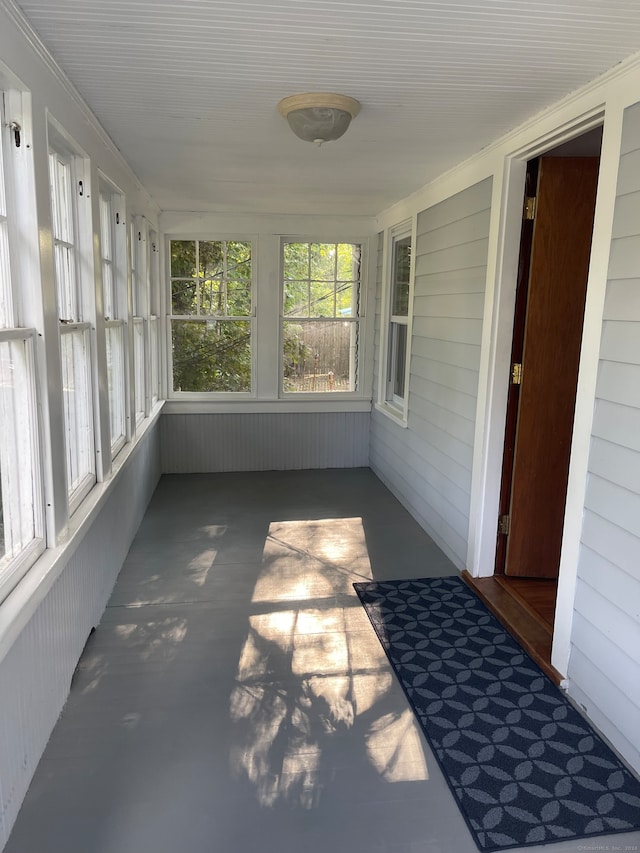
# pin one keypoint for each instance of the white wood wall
(428, 464)
(604, 666)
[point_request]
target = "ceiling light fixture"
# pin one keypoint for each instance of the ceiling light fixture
(319, 116)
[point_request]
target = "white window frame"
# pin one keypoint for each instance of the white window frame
(77, 393)
(22, 513)
(245, 318)
(145, 298)
(75, 285)
(139, 362)
(356, 319)
(114, 289)
(140, 305)
(153, 391)
(392, 403)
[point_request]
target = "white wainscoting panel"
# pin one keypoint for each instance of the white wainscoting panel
(199, 443)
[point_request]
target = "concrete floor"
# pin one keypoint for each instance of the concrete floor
(234, 697)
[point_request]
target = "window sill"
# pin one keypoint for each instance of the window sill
(276, 406)
(398, 416)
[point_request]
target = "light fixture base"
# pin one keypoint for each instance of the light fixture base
(319, 116)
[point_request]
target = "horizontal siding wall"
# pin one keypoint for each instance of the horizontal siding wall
(604, 667)
(199, 443)
(428, 464)
(36, 672)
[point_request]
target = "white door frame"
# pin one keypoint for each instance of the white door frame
(502, 268)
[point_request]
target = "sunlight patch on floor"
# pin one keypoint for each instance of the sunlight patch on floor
(313, 674)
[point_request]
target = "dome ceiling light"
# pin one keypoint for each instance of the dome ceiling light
(319, 116)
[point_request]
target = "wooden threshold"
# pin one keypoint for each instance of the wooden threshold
(530, 624)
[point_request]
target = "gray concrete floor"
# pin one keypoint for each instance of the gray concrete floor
(234, 696)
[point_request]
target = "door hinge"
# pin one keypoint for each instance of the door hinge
(530, 207)
(516, 374)
(504, 523)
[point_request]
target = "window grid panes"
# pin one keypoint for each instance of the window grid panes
(399, 310)
(154, 360)
(115, 343)
(154, 338)
(75, 335)
(211, 315)
(107, 256)
(114, 290)
(64, 238)
(321, 317)
(21, 519)
(78, 417)
(7, 312)
(21, 497)
(139, 368)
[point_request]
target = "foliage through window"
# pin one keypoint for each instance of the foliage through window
(211, 315)
(399, 314)
(321, 317)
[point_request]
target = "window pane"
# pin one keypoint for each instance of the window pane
(116, 383)
(323, 299)
(319, 356)
(296, 261)
(6, 302)
(320, 279)
(296, 298)
(183, 258)
(20, 520)
(184, 296)
(239, 262)
(105, 227)
(212, 298)
(78, 411)
(108, 289)
(399, 358)
(211, 254)
(239, 298)
(108, 257)
(323, 261)
(401, 275)
(66, 282)
(222, 285)
(140, 390)
(154, 360)
(348, 267)
(211, 355)
(7, 318)
(61, 199)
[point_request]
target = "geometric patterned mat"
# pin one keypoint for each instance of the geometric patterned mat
(522, 763)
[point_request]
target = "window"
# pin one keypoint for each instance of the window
(211, 315)
(71, 219)
(140, 299)
(112, 250)
(320, 317)
(399, 307)
(154, 338)
(21, 500)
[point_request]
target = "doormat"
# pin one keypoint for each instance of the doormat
(522, 763)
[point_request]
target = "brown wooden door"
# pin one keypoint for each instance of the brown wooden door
(537, 485)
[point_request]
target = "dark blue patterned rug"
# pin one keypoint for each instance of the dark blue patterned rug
(523, 764)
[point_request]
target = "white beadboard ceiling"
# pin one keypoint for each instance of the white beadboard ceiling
(188, 89)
